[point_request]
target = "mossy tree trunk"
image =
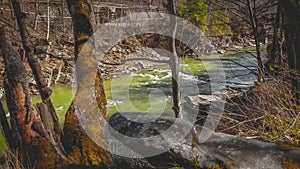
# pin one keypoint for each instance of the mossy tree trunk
(35, 129)
(88, 108)
(50, 118)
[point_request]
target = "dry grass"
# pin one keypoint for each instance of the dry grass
(267, 112)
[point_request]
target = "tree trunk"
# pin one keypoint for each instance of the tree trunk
(62, 15)
(83, 116)
(275, 43)
(36, 129)
(209, 19)
(174, 59)
(252, 10)
(291, 28)
(36, 14)
(34, 136)
(45, 92)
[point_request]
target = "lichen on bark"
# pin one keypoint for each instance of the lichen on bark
(88, 111)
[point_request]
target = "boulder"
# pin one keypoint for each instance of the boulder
(163, 142)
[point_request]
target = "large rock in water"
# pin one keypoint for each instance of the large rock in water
(166, 143)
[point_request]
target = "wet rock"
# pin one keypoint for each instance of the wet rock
(201, 99)
(123, 162)
(148, 146)
(174, 141)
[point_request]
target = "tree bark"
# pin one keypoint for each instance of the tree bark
(252, 10)
(291, 28)
(45, 92)
(174, 59)
(34, 139)
(275, 37)
(36, 14)
(62, 15)
(77, 142)
(36, 129)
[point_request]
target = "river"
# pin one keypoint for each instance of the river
(150, 90)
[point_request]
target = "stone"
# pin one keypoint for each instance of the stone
(209, 149)
(1, 92)
(221, 51)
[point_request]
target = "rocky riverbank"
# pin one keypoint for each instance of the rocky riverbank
(57, 61)
(185, 145)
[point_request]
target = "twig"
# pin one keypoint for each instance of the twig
(243, 122)
(48, 19)
(251, 54)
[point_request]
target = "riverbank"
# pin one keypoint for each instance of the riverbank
(267, 112)
(141, 90)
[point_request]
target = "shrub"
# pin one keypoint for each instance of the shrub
(267, 112)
